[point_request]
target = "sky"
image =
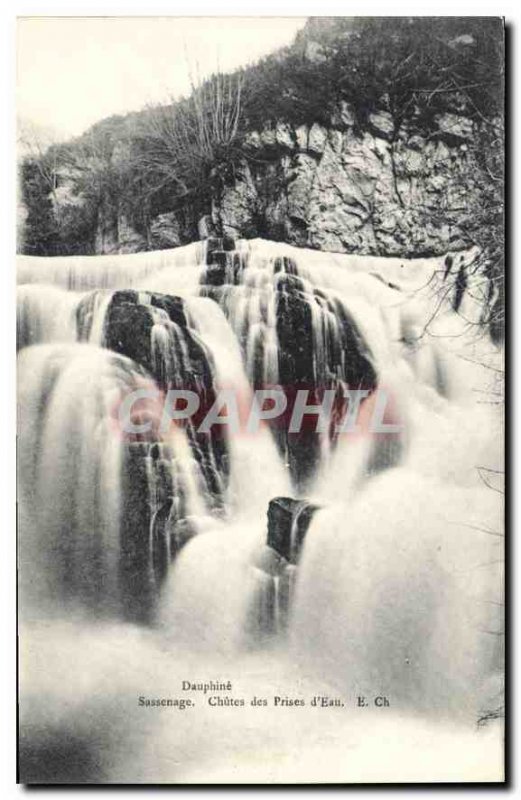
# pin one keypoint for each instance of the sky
(74, 71)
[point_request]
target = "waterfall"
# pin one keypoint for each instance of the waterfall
(81, 273)
(388, 587)
(69, 475)
(294, 331)
(45, 314)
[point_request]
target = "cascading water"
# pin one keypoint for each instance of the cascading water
(293, 332)
(392, 586)
(81, 273)
(45, 314)
(70, 475)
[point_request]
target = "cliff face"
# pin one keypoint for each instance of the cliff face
(377, 136)
(331, 188)
(342, 190)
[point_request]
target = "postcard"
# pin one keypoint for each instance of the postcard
(260, 332)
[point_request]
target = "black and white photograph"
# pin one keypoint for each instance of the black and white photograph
(260, 423)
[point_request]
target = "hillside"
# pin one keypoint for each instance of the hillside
(370, 135)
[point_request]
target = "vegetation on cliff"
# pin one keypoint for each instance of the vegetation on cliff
(129, 178)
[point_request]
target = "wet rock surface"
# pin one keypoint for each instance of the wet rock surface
(288, 523)
(274, 566)
(153, 525)
(319, 345)
(345, 359)
(154, 331)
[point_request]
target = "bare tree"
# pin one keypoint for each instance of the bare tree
(39, 144)
(186, 145)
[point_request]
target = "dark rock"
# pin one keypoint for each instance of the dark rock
(228, 243)
(174, 307)
(223, 266)
(448, 266)
(214, 275)
(124, 296)
(288, 523)
(154, 526)
(273, 567)
(219, 257)
(84, 315)
(180, 533)
(460, 287)
(160, 534)
(290, 282)
(285, 264)
(348, 361)
(155, 451)
(128, 330)
(213, 243)
(239, 262)
(137, 576)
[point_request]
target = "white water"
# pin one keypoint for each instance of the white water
(81, 273)
(399, 586)
(69, 466)
(45, 314)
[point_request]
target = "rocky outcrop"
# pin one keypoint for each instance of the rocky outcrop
(154, 525)
(165, 231)
(153, 330)
(376, 191)
(274, 565)
(329, 151)
(288, 523)
(345, 359)
(319, 347)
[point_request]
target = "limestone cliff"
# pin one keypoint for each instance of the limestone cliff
(369, 135)
(342, 190)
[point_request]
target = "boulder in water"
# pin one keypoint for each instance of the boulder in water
(288, 523)
(293, 334)
(273, 567)
(155, 524)
(153, 330)
(128, 328)
(342, 357)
